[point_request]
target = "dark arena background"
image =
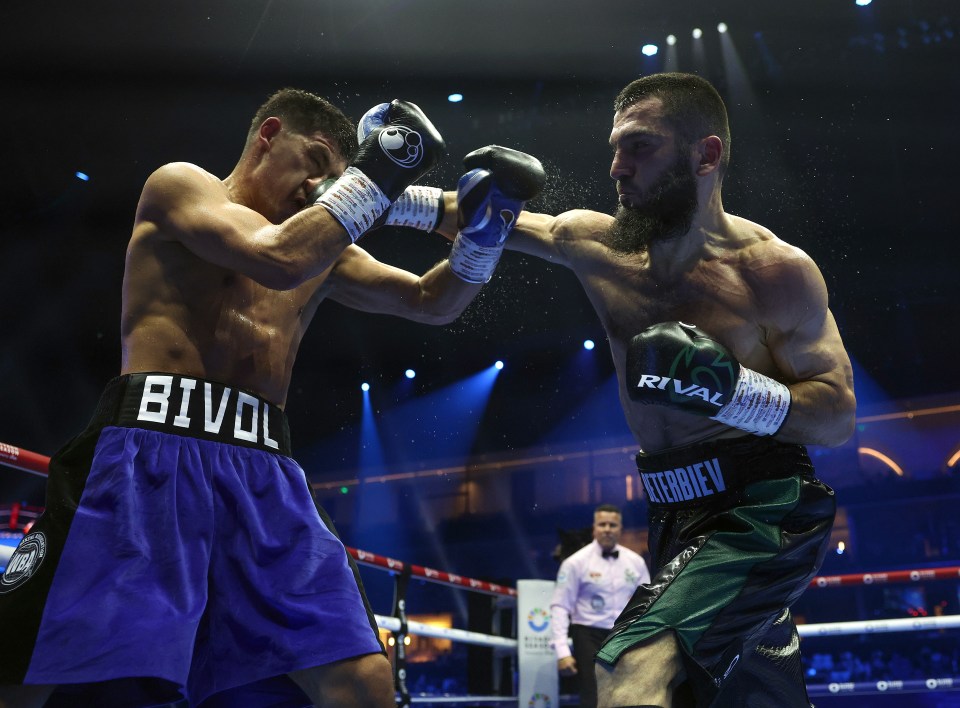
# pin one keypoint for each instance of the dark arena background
(845, 121)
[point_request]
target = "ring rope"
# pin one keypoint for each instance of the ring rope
(887, 686)
(460, 635)
(901, 624)
(436, 576)
(35, 463)
(895, 576)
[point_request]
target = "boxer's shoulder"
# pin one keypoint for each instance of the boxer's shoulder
(580, 232)
(583, 224)
(176, 186)
(175, 177)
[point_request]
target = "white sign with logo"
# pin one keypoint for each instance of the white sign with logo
(539, 683)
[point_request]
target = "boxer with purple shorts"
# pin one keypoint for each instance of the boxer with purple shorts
(181, 556)
(192, 537)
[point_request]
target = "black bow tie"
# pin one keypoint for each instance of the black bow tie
(611, 554)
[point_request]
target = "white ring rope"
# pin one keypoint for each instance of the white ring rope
(906, 624)
(460, 635)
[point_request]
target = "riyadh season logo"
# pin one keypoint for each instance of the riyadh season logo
(538, 619)
(539, 700)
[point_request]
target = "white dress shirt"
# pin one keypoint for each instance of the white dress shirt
(592, 590)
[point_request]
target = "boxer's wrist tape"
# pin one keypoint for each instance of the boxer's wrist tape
(355, 201)
(417, 207)
(759, 404)
(472, 262)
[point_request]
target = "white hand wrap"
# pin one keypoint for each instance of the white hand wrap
(355, 201)
(759, 404)
(418, 208)
(473, 263)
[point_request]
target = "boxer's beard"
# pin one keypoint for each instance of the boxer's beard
(666, 212)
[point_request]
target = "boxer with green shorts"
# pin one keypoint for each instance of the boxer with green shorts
(728, 361)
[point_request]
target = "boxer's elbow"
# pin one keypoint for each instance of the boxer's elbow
(280, 269)
(439, 315)
(281, 275)
(841, 422)
(441, 310)
(283, 262)
(442, 301)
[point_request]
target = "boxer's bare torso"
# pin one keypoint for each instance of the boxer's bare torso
(762, 298)
(185, 315)
(223, 277)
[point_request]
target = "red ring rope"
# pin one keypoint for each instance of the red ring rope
(38, 464)
(35, 463)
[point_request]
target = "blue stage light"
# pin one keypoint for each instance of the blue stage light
(588, 344)
(455, 97)
(498, 365)
(648, 50)
(863, 3)
(364, 386)
(83, 176)
(409, 373)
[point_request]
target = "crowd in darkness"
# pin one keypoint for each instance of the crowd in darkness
(875, 658)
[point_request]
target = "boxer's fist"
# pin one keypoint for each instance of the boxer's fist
(398, 145)
(678, 365)
(485, 214)
(518, 175)
(490, 197)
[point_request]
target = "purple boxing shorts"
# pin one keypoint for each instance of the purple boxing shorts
(181, 548)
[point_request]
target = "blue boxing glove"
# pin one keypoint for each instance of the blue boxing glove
(398, 145)
(679, 366)
(490, 197)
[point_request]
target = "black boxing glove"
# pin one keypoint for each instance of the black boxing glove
(518, 175)
(398, 145)
(677, 365)
(490, 197)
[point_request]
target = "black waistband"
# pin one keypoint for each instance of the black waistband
(707, 472)
(186, 405)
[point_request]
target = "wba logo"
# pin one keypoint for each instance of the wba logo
(24, 562)
(665, 383)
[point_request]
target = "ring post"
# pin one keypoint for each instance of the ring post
(539, 684)
(400, 648)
